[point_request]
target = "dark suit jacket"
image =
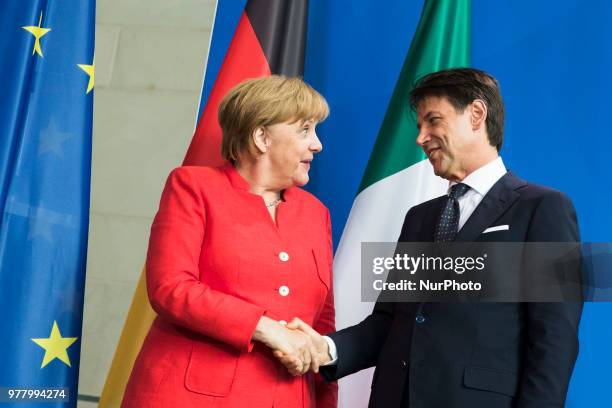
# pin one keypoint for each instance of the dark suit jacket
(442, 355)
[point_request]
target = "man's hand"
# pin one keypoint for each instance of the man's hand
(319, 351)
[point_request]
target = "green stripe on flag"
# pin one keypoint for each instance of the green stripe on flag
(441, 40)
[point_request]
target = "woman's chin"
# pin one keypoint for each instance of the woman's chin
(301, 180)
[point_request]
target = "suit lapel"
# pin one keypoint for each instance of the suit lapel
(499, 198)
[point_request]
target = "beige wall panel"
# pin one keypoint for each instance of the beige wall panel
(139, 136)
(150, 57)
(121, 258)
(107, 41)
(160, 58)
(163, 13)
(105, 308)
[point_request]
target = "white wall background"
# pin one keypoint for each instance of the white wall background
(150, 57)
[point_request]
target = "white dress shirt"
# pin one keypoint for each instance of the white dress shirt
(480, 182)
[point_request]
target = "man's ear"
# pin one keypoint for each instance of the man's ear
(260, 140)
(479, 113)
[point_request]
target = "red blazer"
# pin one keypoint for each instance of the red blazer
(216, 263)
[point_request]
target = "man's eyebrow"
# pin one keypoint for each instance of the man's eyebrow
(429, 114)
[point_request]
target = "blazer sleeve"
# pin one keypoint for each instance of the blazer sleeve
(327, 392)
(552, 328)
(173, 278)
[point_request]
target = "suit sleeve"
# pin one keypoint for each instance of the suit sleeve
(359, 346)
(552, 328)
(327, 392)
(173, 278)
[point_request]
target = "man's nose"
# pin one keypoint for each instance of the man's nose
(422, 137)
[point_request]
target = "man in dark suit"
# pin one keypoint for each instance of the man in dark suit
(466, 354)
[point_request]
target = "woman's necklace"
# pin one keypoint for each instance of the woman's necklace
(274, 203)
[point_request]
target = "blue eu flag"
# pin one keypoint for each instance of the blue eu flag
(46, 101)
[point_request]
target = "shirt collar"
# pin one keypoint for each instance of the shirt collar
(482, 179)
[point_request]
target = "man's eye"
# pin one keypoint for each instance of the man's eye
(433, 121)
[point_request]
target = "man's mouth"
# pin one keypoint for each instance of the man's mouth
(431, 152)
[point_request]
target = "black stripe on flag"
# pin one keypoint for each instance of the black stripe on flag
(280, 27)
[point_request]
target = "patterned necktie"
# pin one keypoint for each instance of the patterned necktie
(448, 225)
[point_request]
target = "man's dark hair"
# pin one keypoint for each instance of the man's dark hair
(461, 86)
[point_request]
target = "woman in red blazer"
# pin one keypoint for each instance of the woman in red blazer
(235, 252)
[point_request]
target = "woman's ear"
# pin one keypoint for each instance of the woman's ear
(260, 140)
(479, 114)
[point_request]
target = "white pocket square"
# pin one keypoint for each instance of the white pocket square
(497, 228)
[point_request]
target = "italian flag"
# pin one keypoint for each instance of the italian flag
(398, 175)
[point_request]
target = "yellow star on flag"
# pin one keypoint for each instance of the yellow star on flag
(55, 346)
(89, 70)
(37, 32)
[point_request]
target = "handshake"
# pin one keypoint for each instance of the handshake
(296, 345)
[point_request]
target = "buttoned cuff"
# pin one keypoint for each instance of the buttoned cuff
(333, 352)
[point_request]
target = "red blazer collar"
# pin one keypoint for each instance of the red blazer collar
(238, 182)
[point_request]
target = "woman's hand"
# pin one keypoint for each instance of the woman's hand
(294, 346)
(319, 353)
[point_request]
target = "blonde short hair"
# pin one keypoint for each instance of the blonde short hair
(262, 102)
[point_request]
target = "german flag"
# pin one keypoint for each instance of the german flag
(270, 39)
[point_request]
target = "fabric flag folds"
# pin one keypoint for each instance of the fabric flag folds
(397, 176)
(269, 39)
(46, 78)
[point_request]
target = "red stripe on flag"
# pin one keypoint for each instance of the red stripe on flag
(244, 59)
